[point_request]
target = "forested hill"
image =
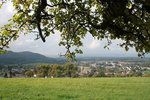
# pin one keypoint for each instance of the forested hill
(25, 58)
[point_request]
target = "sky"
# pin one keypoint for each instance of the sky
(92, 47)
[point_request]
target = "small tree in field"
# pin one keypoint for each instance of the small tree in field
(29, 73)
(55, 70)
(42, 70)
(5, 75)
(70, 70)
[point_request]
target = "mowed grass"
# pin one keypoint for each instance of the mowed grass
(75, 89)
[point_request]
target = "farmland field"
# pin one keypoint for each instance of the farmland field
(75, 89)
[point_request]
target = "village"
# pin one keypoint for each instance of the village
(81, 69)
(113, 68)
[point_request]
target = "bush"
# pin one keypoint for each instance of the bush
(99, 74)
(146, 75)
(29, 73)
(42, 70)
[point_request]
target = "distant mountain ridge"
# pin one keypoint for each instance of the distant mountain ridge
(25, 58)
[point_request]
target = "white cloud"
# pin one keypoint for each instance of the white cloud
(19, 43)
(6, 12)
(9, 7)
(29, 41)
(23, 41)
(94, 44)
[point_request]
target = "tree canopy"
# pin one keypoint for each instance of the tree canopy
(128, 20)
(54, 70)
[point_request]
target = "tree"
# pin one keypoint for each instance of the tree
(29, 73)
(131, 74)
(42, 70)
(55, 70)
(70, 70)
(7, 71)
(127, 20)
(5, 75)
(138, 74)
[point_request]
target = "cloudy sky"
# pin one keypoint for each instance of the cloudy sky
(92, 47)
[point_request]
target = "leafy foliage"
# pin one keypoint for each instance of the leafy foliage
(29, 73)
(128, 20)
(42, 70)
(70, 70)
(54, 70)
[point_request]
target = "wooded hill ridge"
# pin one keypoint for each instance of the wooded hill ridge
(25, 58)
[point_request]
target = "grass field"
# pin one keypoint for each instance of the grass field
(75, 89)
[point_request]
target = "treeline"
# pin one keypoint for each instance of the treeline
(103, 74)
(53, 70)
(67, 70)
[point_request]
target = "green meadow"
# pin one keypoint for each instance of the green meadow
(75, 89)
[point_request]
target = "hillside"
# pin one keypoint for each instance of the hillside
(25, 58)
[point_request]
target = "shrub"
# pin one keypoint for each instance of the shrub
(29, 73)
(146, 75)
